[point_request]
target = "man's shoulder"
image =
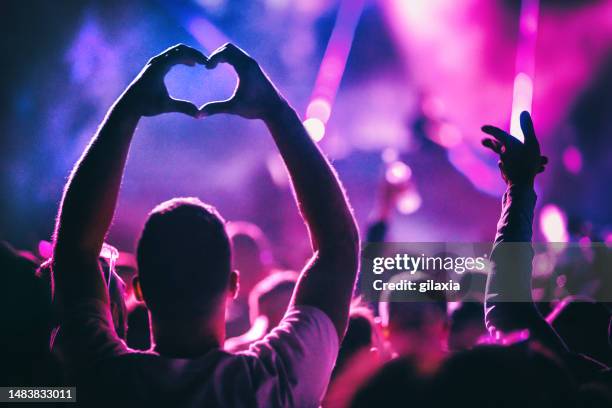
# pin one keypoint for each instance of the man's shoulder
(146, 378)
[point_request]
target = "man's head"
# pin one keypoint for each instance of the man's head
(184, 260)
(415, 325)
(466, 326)
(416, 328)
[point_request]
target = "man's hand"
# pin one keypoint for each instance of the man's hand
(254, 97)
(519, 162)
(147, 95)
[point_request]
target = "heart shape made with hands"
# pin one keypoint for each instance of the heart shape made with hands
(254, 96)
(200, 85)
(148, 94)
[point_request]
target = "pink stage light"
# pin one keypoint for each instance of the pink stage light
(319, 108)
(525, 64)
(332, 67)
(553, 224)
(572, 159)
(521, 101)
(485, 178)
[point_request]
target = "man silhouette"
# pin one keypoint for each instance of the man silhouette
(184, 261)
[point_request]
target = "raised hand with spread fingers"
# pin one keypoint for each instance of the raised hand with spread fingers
(519, 162)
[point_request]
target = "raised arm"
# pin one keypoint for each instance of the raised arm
(509, 305)
(90, 195)
(385, 207)
(328, 279)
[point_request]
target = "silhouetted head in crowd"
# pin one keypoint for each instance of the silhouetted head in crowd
(24, 319)
(23, 295)
(251, 254)
(396, 384)
(417, 327)
(521, 375)
(185, 275)
(584, 326)
(271, 296)
(597, 394)
(466, 326)
(359, 335)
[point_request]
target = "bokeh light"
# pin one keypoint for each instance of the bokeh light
(398, 172)
(572, 159)
(315, 128)
(553, 223)
(319, 109)
(409, 202)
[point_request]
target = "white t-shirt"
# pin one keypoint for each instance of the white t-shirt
(291, 366)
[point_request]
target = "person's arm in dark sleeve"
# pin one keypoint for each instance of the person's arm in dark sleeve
(509, 305)
(377, 231)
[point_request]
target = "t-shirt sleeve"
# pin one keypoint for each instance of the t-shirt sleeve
(292, 365)
(88, 335)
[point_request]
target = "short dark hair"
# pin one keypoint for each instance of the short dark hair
(184, 258)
